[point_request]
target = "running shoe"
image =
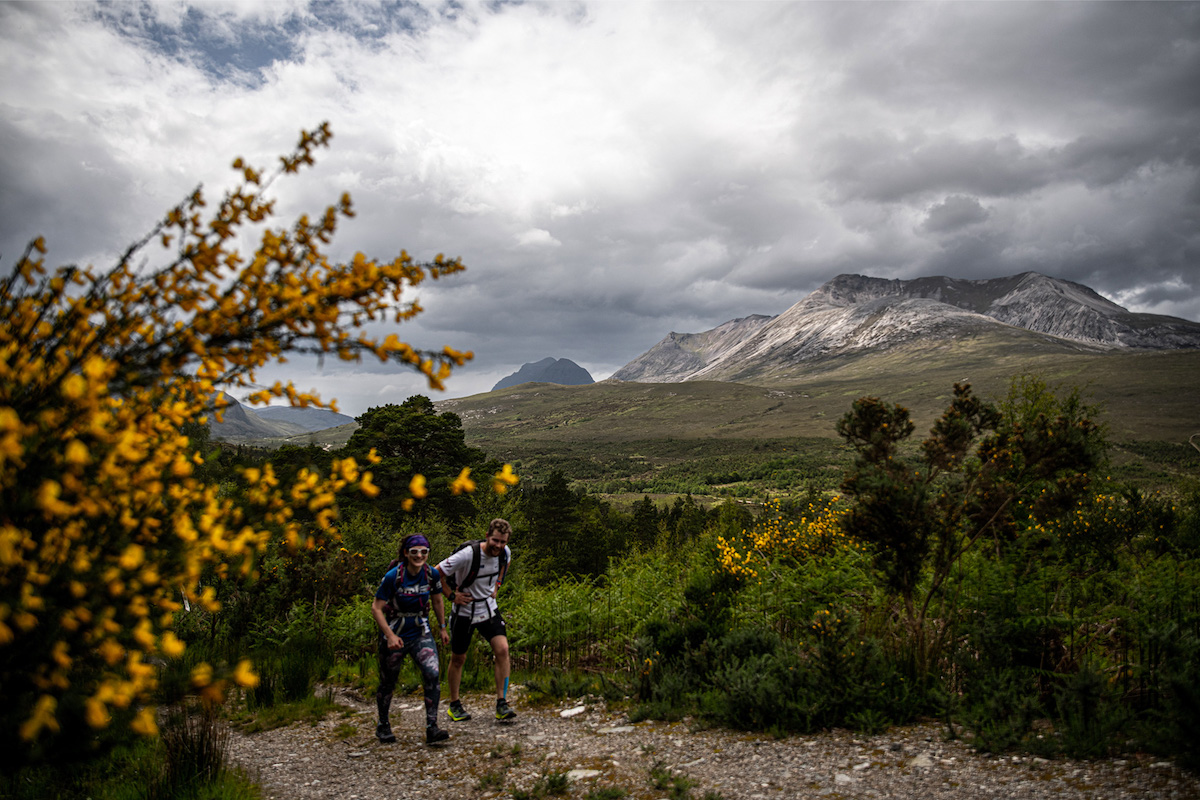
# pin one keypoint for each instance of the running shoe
(457, 713)
(503, 712)
(383, 732)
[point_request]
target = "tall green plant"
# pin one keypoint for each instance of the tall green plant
(983, 471)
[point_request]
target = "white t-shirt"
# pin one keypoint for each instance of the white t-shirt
(458, 564)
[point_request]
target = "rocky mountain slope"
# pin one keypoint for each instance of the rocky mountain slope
(856, 314)
(275, 422)
(309, 419)
(237, 421)
(562, 371)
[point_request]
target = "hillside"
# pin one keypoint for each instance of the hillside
(241, 423)
(307, 419)
(1147, 396)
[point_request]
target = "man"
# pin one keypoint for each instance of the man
(472, 578)
(401, 610)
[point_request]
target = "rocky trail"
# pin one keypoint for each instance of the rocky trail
(580, 748)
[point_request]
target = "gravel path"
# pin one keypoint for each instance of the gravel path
(596, 748)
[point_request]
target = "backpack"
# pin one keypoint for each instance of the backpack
(476, 546)
(393, 604)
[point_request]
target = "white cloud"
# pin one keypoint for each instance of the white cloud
(536, 237)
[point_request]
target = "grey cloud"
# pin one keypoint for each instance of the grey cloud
(887, 168)
(61, 183)
(1025, 60)
(1165, 293)
(956, 211)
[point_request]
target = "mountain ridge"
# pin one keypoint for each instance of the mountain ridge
(854, 314)
(271, 422)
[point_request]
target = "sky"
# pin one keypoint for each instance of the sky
(610, 172)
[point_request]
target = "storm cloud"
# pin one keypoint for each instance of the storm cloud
(613, 171)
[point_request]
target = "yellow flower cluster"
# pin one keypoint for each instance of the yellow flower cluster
(1107, 516)
(105, 527)
(503, 480)
(816, 533)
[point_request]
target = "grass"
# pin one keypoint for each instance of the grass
(606, 793)
(490, 781)
(310, 710)
(677, 787)
(551, 783)
(1149, 396)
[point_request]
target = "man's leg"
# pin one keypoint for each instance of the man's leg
(500, 652)
(460, 640)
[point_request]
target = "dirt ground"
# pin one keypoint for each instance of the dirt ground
(581, 749)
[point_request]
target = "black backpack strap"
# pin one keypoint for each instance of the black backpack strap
(473, 573)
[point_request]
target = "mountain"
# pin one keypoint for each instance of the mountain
(309, 419)
(239, 422)
(562, 371)
(680, 355)
(853, 315)
(273, 422)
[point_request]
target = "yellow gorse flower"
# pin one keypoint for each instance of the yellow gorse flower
(416, 487)
(815, 534)
(463, 482)
(503, 479)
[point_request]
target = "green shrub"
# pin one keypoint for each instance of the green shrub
(1093, 718)
(1000, 710)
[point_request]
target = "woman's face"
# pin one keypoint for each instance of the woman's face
(417, 555)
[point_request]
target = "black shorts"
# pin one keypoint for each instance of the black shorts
(461, 627)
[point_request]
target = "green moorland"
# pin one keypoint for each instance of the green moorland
(719, 439)
(613, 436)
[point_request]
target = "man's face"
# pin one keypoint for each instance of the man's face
(495, 542)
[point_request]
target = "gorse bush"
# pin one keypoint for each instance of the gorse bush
(816, 533)
(112, 518)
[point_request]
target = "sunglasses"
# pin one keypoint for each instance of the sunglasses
(419, 551)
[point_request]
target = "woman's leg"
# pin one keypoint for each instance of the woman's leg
(426, 655)
(389, 673)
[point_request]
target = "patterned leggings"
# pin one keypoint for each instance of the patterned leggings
(424, 653)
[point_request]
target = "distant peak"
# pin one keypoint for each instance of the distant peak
(562, 371)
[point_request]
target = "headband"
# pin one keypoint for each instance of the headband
(413, 540)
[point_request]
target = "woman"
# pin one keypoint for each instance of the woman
(401, 610)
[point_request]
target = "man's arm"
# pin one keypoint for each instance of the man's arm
(439, 613)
